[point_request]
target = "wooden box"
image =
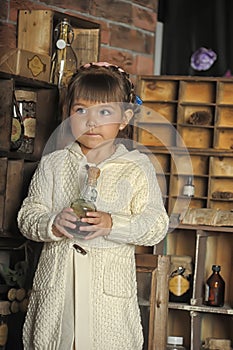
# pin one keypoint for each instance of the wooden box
(36, 33)
(25, 63)
(45, 107)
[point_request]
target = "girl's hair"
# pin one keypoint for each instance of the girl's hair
(102, 82)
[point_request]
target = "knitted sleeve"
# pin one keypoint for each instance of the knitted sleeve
(148, 222)
(35, 217)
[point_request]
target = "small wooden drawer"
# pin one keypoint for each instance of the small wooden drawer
(224, 138)
(221, 166)
(164, 109)
(221, 188)
(179, 205)
(221, 205)
(188, 164)
(161, 162)
(196, 115)
(197, 91)
(156, 135)
(225, 93)
(159, 90)
(178, 182)
(196, 137)
(224, 116)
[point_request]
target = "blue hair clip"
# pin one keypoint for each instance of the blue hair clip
(138, 100)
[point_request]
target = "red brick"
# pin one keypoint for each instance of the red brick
(123, 59)
(104, 33)
(144, 19)
(153, 4)
(7, 35)
(131, 39)
(112, 10)
(4, 10)
(144, 65)
(15, 6)
(80, 5)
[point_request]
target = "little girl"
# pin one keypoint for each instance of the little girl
(84, 293)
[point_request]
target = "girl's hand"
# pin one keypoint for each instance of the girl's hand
(64, 219)
(101, 224)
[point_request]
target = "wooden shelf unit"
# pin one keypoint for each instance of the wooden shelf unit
(203, 150)
(164, 130)
(207, 246)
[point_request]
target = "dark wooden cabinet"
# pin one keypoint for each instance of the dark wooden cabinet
(16, 170)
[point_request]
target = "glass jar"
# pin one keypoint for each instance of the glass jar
(175, 343)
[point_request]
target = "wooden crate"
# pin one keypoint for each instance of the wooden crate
(25, 63)
(152, 281)
(45, 100)
(36, 32)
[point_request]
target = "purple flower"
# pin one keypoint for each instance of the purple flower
(203, 58)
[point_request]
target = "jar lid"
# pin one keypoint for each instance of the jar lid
(175, 340)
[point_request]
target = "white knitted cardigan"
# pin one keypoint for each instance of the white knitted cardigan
(128, 189)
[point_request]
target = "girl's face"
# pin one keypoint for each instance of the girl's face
(93, 124)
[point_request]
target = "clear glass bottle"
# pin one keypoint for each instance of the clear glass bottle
(215, 288)
(86, 200)
(64, 60)
(189, 189)
(175, 343)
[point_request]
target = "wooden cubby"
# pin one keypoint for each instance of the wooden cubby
(198, 112)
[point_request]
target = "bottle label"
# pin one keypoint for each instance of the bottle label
(178, 285)
(188, 190)
(207, 292)
(36, 66)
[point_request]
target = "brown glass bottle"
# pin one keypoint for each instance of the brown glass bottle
(215, 288)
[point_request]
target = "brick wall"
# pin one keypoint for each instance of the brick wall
(127, 27)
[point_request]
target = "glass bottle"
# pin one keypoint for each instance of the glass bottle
(215, 288)
(189, 189)
(64, 60)
(175, 343)
(86, 200)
